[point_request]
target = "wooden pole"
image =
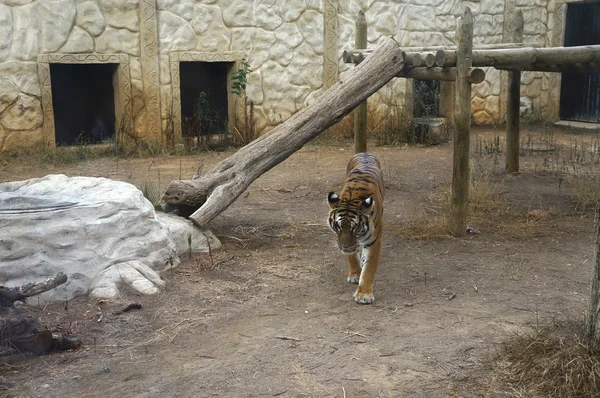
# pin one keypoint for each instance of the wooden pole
(429, 60)
(413, 58)
(348, 54)
(513, 105)
(462, 125)
(592, 325)
(360, 113)
(474, 75)
(590, 67)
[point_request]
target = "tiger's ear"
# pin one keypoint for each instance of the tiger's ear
(333, 199)
(368, 202)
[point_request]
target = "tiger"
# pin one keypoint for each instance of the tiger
(356, 216)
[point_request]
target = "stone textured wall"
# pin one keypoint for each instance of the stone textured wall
(32, 27)
(283, 42)
(433, 23)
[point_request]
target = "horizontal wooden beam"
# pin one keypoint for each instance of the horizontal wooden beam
(575, 68)
(414, 58)
(526, 58)
(474, 75)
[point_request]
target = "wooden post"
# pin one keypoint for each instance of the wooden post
(513, 105)
(462, 126)
(592, 325)
(360, 113)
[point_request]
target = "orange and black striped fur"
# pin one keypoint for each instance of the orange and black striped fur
(356, 217)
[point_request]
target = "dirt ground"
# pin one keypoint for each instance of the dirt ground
(271, 314)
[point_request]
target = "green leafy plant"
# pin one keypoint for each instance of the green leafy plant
(240, 78)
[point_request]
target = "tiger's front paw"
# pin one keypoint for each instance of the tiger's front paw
(353, 279)
(364, 298)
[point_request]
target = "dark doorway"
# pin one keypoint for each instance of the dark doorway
(580, 93)
(203, 98)
(426, 98)
(84, 103)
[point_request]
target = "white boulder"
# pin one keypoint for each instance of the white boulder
(101, 233)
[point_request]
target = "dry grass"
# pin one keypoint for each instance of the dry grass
(553, 362)
(488, 210)
(585, 189)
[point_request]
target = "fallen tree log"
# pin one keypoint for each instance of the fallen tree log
(212, 193)
(8, 295)
(21, 332)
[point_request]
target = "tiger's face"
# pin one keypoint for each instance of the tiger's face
(349, 220)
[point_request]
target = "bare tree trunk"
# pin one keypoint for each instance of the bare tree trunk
(593, 327)
(19, 330)
(224, 183)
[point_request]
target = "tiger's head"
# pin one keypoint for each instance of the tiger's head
(349, 220)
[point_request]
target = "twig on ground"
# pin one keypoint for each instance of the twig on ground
(129, 307)
(287, 338)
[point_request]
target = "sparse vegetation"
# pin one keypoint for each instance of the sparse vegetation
(553, 361)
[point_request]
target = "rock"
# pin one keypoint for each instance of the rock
(303, 66)
(25, 37)
(8, 94)
(482, 118)
(266, 17)
(310, 25)
(181, 8)
(208, 25)
(477, 104)
(20, 139)
(292, 10)
(420, 18)
(492, 6)
(79, 41)
(16, 2)
(6, 32)
(118, 40)
(492, 107)
(254, 90)
(99, 232)
(174, 33)
(485, 26)
(187, 236)
(24, 114)
(56, 19)
(238, 13)
(289, 34)
(276, 88)
(255, 42)
(23, 75)
(535, 20)
(316, 5)
(121, 13)
(90, 18)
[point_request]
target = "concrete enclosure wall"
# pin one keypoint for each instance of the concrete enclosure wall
(293, 48)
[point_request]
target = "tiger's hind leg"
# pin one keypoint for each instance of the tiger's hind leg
(364, 292)
(354, 269)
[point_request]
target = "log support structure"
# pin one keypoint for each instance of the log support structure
(449, 64)
(462, 127)
(206, 197)
(513, 105)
